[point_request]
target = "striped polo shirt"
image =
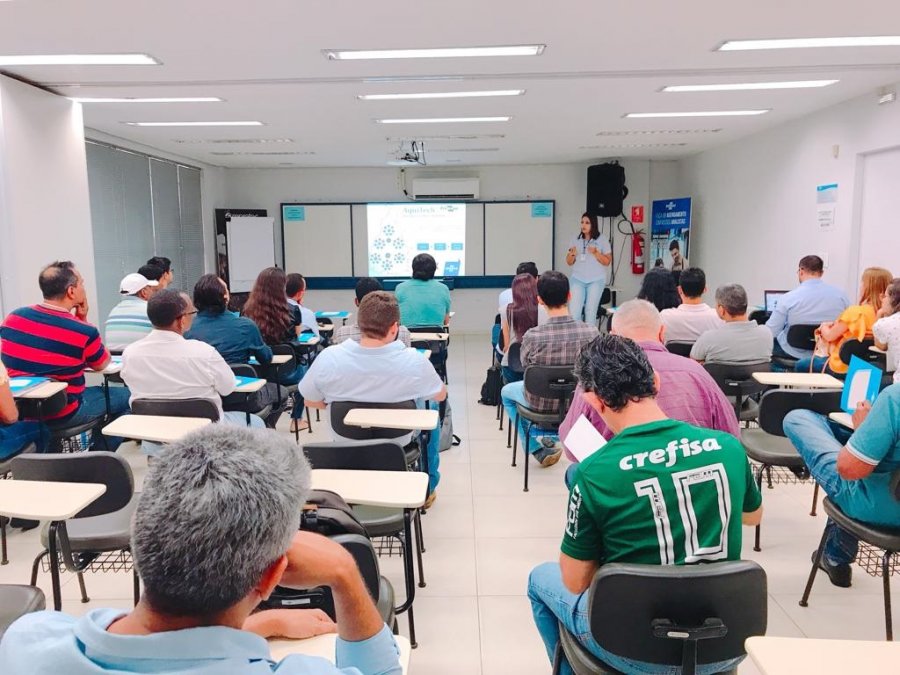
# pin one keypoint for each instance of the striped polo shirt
(127, 323)
(44, 341)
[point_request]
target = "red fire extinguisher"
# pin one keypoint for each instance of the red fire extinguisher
(637, 253)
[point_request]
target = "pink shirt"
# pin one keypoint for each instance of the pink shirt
(686, 323)
(686, 392)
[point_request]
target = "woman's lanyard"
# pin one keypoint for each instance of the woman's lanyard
(584, 244)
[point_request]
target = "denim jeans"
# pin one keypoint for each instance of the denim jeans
(552, 603)
(433, 450)
(818, 363)
(819, 441)
(14, 437)
(290, 380)
(510, 375)
(93, 408)
(585, 297)
(513, 393)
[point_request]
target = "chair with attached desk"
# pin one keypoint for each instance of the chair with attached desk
(414, 451)
(68, 437)
(737, 383)
(249, 404)
(5, 473)
(685, 615)
(16, 601)
(873, 540)
(770, 448)
(99, 535)
(799, 336)
(439, 348)
(514, 363)
(551, 382)
(680, 347)
(176, 407)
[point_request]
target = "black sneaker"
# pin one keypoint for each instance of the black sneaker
(840, 575)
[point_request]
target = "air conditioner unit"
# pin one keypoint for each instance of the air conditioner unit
(444, 188)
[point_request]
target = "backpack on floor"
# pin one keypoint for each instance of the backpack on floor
(448, 439)
(490, 390)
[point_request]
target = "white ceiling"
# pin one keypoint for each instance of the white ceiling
(602, 60)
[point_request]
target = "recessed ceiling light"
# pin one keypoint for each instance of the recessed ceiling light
(452, 137)
(195, 124)
(232, 140)
(78, 60)
(801, 43)
(441, 94)
(443, 120)
(648, 132)
(435, 53)
(702, 113)
(749, 86)
(187, 99)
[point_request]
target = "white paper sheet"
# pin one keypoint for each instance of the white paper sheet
(584, 439)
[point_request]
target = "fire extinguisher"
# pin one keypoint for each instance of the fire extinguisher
(637, 253)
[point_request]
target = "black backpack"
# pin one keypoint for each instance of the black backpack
(490, 390)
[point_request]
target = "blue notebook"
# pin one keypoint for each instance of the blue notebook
(332, 315)
(862, 383)
(303, 338)
(240, 380)
(19, 385)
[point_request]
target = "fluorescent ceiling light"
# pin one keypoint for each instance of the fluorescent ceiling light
(455, 137)
(194, 124)
(441, 94)
(801, 43)
(436, 53)
(187, 99)
(648, 132)
(78, 60)
(702, 113)
(749, 86)
(443, 120)
(233, 140)
(632, 145)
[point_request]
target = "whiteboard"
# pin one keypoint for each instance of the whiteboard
(318, 239)
(517, 232)
(251, 248)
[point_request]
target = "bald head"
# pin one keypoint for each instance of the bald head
(637, 320)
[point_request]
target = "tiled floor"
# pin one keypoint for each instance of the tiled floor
(484, 535)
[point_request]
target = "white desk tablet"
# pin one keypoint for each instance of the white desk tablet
(392, 418)
(157, 428)
(323, 646)
(390, 489)
(46, 500)
(419, 337)
(842, 418)
(788, 656)
(799, 380)
(42, 391)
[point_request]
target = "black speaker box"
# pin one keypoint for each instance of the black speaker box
(606, 190)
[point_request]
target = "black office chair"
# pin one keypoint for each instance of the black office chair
(176, 407)
(249, 404)
(101, 531)
(17, 601)
(760, 316)
(799, 336)
(439, 348)
(514, 360)
(602, 313)
(552, 382)
(886, 539)
(771, 450)
(860, 349)
(680, 347)
(686, 615)
(737, 383)
(5, 472)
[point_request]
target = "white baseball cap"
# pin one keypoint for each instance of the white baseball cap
(135, 283)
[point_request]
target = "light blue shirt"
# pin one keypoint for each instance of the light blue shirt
(877, 443)
(49, 643)
(423, 303)
(811, 302)
(587, 268)
(307, 316)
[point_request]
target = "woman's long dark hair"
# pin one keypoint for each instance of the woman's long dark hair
(595, 228)
(660, 289)
(524, 308)
(268, 306)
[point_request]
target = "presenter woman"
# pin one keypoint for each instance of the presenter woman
(589, 255)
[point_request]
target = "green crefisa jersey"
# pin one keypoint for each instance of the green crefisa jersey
(661, 493)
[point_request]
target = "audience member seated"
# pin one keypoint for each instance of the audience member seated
(127, 321)
(165, 265)
(278, 323)
(166, 365)
(351, 331)
(854, 469)
(377, 369)
(48, 340)
(556, 343)
(424, 301)
(886, 330)
(15, 436)
(812, 302)
(692, 317)
(660, 289)
(854, 323)
(215, 530)
(738, 340)
(629, 504)
(518, 317)
(686, 391)
(506, 297)
(236, 338)
(295, 289)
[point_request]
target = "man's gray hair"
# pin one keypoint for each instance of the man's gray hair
(217, 509)
(636, 316)
(733, 299)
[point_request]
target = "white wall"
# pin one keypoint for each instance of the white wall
(755, 199)
(268, 188)
(45, 210)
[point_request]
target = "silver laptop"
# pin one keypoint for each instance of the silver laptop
(771, 299)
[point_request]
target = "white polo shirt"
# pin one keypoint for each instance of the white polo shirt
(686, 323)
(165, 365)
(351, 372)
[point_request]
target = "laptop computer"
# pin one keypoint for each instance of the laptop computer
(771, 299)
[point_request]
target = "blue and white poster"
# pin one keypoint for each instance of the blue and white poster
(670, 233)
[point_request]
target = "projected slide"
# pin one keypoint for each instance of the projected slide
(398, 232)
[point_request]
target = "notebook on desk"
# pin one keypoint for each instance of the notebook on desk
(19, 385)
(304, 338)
(240, 380)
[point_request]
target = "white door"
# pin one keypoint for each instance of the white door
(879, 242)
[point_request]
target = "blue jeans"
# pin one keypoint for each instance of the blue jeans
(433, 449)
(552, 603)
(513, 393)
(14, 437)
(818, 363)
(93, 408)
(510, 375)
(292, 379)
(819, 441)
(585, 297)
